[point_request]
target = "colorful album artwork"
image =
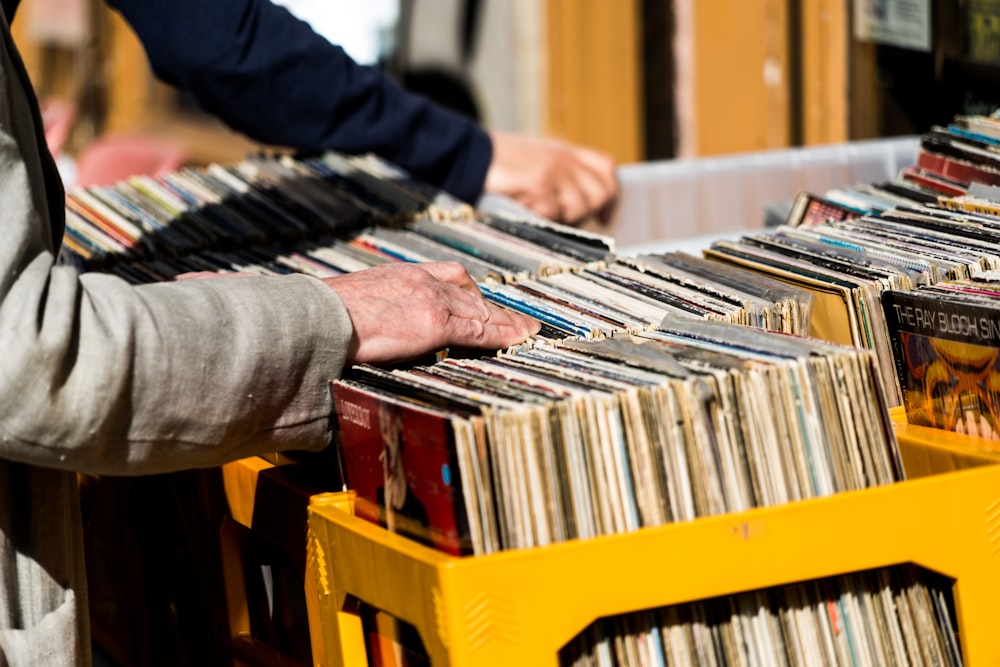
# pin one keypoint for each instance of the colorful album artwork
(951, 385)
(947, 356)
(400, 461)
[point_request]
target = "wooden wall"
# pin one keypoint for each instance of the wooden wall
(594, 76)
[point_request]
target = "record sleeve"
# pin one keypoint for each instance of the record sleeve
(947, 356)
(401, 461)
(833, 314)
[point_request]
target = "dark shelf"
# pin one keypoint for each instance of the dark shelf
(978, 72)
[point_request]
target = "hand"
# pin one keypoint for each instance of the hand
(401, 311)
(557, 180)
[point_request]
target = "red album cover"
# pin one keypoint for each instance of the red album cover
(932, 182)
(400, 460)
(956, 169)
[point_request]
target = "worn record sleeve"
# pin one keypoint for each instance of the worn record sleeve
(401, 461)
(810, 209)
(833, 314)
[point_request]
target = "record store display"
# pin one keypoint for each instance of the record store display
(583, 438)
(936, 221)
(888, 616)
(336, 214)
(660, 388)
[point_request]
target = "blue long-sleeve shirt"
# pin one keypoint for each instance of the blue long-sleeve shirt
(268, 75)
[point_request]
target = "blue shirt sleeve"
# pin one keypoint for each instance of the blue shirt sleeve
(268, 75)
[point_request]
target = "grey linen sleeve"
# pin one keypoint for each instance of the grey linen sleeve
(100, 376)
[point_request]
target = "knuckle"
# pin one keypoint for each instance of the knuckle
(477, 330)
(454, 267)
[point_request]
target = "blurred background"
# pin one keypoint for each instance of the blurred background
(641, 79)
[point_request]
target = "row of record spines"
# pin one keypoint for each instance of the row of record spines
(98, 212)
(243, 219)
(564, 251)
(892, 615)
(145, 218)
(257, 221)
(367, 247)
(643, 471)
(322, 261)
(268, 209)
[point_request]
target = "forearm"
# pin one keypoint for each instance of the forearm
(115, 379)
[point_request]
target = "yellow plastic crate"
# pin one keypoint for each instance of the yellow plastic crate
(521, 607)
(239, 479)
(931, 451)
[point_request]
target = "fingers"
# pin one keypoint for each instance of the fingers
(581, 194)
(555, 179)
(496, 328)
(570, 195)
(543, 202)
(607, 212)
(485, 324)
(472, 321)
(577, 192)
(601, 178)
(602, 167)
(590, 183)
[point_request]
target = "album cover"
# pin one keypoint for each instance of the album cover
(809, 209)
(400, 460)
(947, 356)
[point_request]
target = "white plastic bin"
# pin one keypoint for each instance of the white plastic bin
(680, 199)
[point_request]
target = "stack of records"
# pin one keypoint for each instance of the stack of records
(282, 215)
(579, 438)
(889, 616)
(576, 439)
(964, 152)
(630, 295)
(337, 214)
(178, 214)
(937, 221)
(257, 203)
(642, 401)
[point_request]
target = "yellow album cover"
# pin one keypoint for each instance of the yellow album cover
(947, 356)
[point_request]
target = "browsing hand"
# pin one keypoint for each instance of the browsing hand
(401, 311)
(555, 179)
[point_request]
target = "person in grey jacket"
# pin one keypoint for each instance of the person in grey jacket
(99, 376)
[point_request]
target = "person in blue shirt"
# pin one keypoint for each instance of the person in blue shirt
(269, 76)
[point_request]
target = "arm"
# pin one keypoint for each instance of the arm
(100, 376)
(268, 75)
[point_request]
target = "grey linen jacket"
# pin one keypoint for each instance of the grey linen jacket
(99, 376)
